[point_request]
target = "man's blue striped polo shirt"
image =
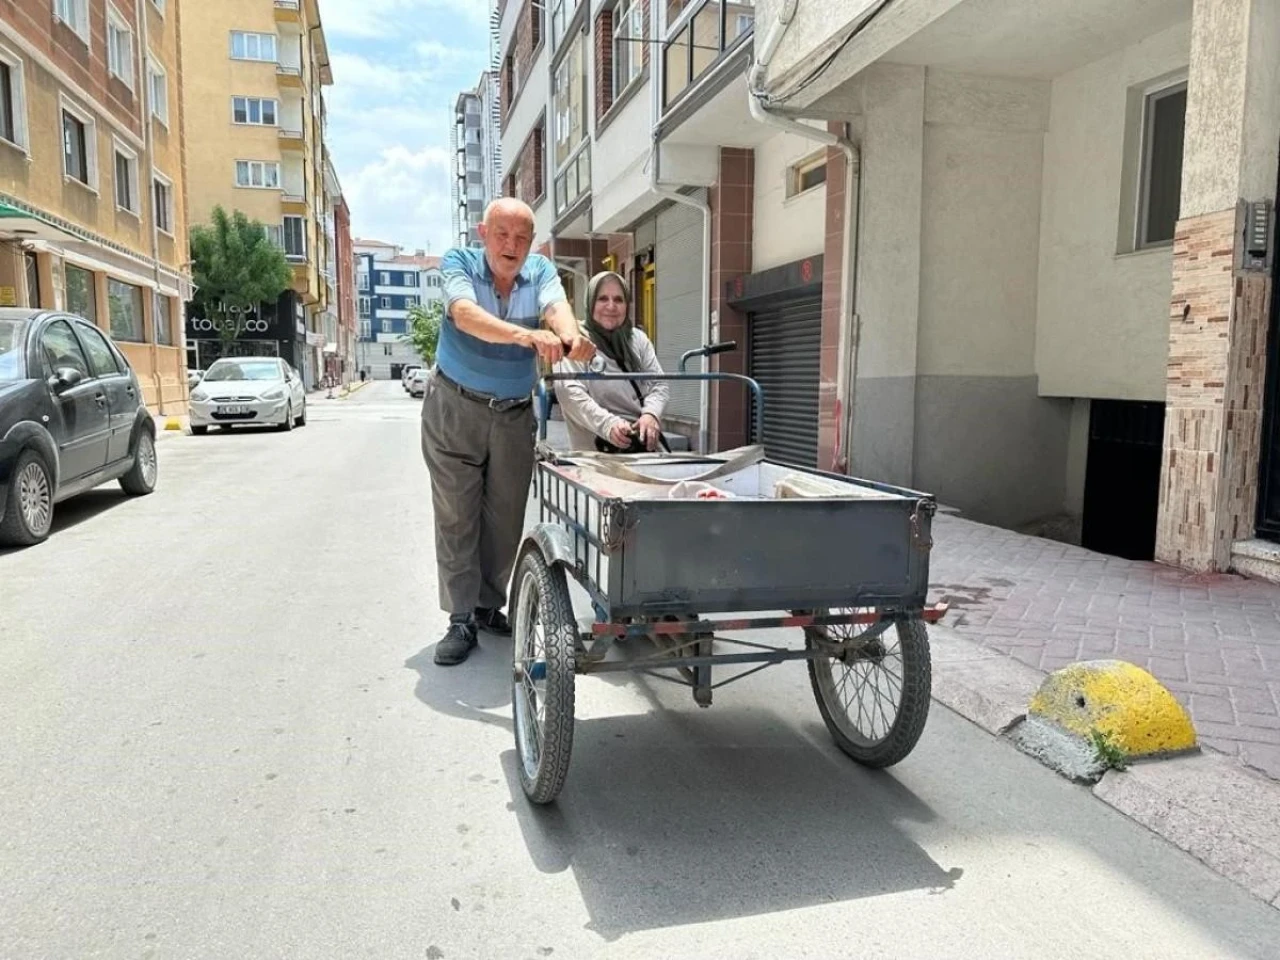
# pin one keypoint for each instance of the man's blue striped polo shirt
(503, 370)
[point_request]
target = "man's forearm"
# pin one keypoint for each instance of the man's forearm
(561, 321)
(480, 323)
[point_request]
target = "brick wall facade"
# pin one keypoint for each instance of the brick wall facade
(526, 40)
(603, 40)
(526, 178)
(1217, 364)
(732, 200)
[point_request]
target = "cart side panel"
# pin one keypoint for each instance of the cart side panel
(681, 556)
(581, 512)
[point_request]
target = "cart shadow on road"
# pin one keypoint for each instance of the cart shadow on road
(689, 818)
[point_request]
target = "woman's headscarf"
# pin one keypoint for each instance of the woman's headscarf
(614, 344)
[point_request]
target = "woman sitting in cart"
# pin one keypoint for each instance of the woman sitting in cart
(613, 416)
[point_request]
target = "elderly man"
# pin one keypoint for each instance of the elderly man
(477, 414)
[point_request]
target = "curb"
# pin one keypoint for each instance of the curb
(353, 387)
(1206, 804)
(169, 426)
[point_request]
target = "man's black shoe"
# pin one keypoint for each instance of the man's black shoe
(494, 621)
(456, 645)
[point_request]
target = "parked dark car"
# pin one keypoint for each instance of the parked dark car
(71, 418)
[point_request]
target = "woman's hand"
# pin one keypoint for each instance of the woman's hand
(620, 434)
(649, 430)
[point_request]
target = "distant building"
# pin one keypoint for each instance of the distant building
(476, 146)
(388, 284)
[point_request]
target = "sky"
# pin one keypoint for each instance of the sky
(398, 67)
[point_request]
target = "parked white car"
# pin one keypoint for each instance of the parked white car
(248, 390)
(418, 382)
(407, 374)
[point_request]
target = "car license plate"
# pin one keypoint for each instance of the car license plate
(232, 409)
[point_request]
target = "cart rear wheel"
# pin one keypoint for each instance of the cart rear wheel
(874, 698)
(543, 676)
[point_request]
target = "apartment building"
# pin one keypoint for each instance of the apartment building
(388, 284)
(475, 143)
(92, 198)
(345, 369)
(625, 124)
(254, 73)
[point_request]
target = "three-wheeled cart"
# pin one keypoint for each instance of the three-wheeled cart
(843, 562)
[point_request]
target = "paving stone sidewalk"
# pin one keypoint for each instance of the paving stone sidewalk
(1214, 640)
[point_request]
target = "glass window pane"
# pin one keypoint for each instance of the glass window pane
(80, 293)
(101, 358)
(61, 349)
(125, 302)
(163, 321)
(706, 38)
(676, 65)
(1164, 164)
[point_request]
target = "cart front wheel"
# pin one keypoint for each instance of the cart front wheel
(874, 692)
(543, 676)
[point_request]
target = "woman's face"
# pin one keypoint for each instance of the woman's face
(610, 308)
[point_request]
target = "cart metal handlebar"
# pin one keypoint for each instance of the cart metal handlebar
(544, 400)
(707, 350)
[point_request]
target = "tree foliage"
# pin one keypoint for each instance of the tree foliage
(424, 329)
(235, 267)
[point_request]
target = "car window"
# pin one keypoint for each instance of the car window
(100, 355)
(223, 370)
(61, 349)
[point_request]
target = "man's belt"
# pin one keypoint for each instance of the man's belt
(499, 404)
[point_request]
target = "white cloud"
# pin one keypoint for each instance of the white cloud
(403, 197)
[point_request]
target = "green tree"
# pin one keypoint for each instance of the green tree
(235, 267)
(424, 329)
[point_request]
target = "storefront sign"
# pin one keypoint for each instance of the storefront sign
(261, 322)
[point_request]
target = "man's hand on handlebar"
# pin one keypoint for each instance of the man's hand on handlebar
(548, 344)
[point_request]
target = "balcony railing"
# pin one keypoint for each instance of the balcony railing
(292, 138)
(702, 33)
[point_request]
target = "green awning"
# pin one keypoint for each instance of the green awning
(19, 223)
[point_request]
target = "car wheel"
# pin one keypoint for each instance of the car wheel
(288, 417)
(28, 514)
(199, 431)
(302, 417)
(141, 478)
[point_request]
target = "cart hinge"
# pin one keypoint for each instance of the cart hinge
(922, 539)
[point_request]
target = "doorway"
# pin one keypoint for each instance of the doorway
(1122, 478)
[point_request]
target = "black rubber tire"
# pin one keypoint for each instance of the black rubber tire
(288, 418)
(199, 431)
(913, 708)
(302, 417)
(135, 482)
(14, 531)
(535, 578)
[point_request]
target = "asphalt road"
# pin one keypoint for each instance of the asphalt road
(222, 736)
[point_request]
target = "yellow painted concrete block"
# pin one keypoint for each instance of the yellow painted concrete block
(1119, 700)
(173, 423)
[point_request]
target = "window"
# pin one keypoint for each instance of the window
(807, 173)
(384, 279)
(366, 307)
(162, 188)
(387, 326)
(101, 358)
(158, 86)
(1160, 187)
(366, 329)
(560, 11)
(384, 303)
(704, 31)
(119, 47)
(628, 43)
(61, 349)
(126, 176)
(253, 46)
(81, 298)
(162, 317)
(125, 302)
(253, 111)
(159, 5)
(295, 237)
(364, 281)
(572, 164)
(13, 108)
(79, 150)
(410, 302)
(261, 174)
(75, 14)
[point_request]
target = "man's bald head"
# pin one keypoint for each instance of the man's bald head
(509, 208)
(507, 235)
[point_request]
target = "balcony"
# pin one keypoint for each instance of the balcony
(572, 192)
(702, 35)
(293, 202)
(292, 139)
(289, 75)
(288, 11)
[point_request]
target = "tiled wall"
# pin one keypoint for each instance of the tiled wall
(1217, 363)
(732, 218)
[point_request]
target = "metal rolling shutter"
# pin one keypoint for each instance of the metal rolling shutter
(678, 261)
(785, 344)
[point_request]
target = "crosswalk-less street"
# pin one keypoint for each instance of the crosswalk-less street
(224, 737)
